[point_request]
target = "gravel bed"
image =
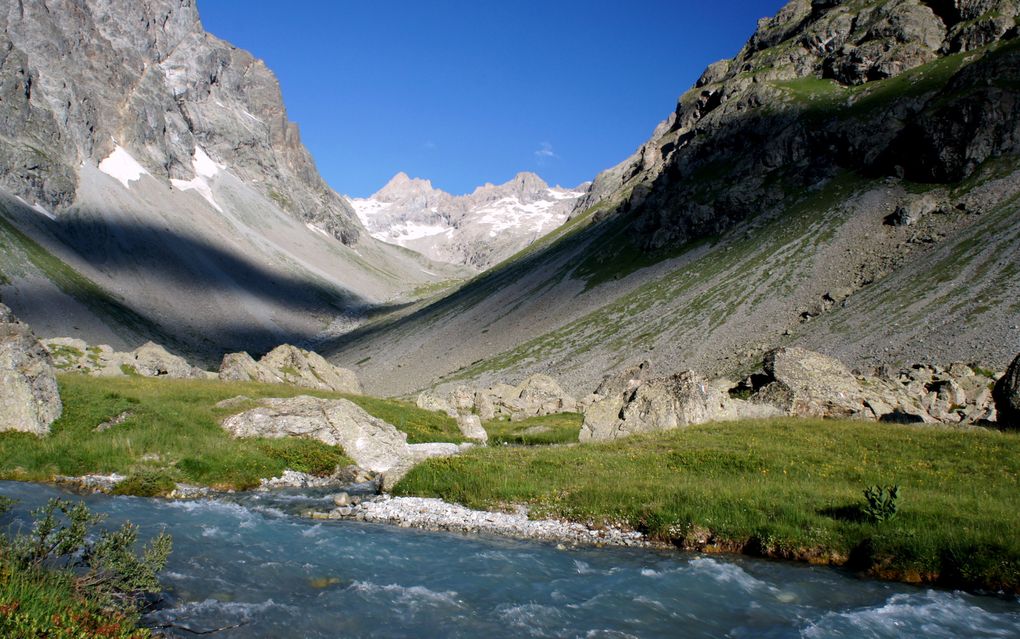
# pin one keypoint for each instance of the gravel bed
(436, 514)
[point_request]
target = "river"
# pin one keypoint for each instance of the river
(250, 561)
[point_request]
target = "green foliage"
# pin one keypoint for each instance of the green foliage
(535, 431)
(880, 502)
(146, 483)
(788, 488)
(421, 425)
(129, 370)
(69, 578)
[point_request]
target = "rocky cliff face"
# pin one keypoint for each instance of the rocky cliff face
(152, 187)
(83, 81)
(478, 230)
(803, 101)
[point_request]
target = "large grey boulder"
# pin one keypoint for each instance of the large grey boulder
(28, 386)
(1007, 396)
(241, 367)
(808, 384)
(369, 441)
(663, 403)
(287, 364)
(152, 360)
(541, 395)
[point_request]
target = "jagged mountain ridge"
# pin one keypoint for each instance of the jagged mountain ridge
(479, 229)
(848, 182)
(153, 187)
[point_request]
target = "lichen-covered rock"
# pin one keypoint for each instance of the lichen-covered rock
(808, 384)
(1007, 396)
(28, 385)
(369, 441)
(427, 400)
(152, 360)
(309, 369)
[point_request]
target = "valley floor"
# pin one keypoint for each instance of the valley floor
(783, 488)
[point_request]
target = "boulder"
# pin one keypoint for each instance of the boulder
(1006, 394)
(288, 364)
(148, 360)
(808, 384)
(664, 404)
(152, 360)
(471, 427)
(541, 395)
(369, 441)
(241, 367)
(310, 370)
(28, 384)
(427, 400)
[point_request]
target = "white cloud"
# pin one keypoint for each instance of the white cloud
(545, 152)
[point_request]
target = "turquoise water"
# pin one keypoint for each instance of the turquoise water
(249, 561)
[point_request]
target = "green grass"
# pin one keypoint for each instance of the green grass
(781, 488)
(535, 431)
(171, 434)
(421, 426)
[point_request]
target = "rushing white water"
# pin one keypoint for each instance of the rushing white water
(249, 561)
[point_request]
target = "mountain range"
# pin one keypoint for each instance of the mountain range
(478, 230)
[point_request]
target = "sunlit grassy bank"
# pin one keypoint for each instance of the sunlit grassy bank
(780, 488)
(169, 431)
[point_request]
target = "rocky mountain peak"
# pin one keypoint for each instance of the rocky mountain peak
(478, 229)
(401, 187)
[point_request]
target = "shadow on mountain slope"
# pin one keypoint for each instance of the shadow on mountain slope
(195, 296)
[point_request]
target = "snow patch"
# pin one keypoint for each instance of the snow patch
(367, 208)
(122, 167)
(312, 227)
(205, 168)
(39, 208)
(204, 165)
(510, 213)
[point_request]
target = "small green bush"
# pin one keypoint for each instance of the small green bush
(880, 502)
(146, 483)
(66, 548)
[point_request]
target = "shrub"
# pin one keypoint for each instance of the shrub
(880, 502)
(146, 483)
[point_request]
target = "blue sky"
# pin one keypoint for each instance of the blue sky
(465, 93)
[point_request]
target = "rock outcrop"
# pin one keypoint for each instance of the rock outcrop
(288, 364)
(148, 360)
(535, 396)
(633, 405)
(372, 443)
(1007, 396)
(368, 440)
(28, 386)
(748, 121)
(795, 382)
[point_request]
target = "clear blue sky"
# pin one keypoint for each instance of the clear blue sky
(468, 92)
